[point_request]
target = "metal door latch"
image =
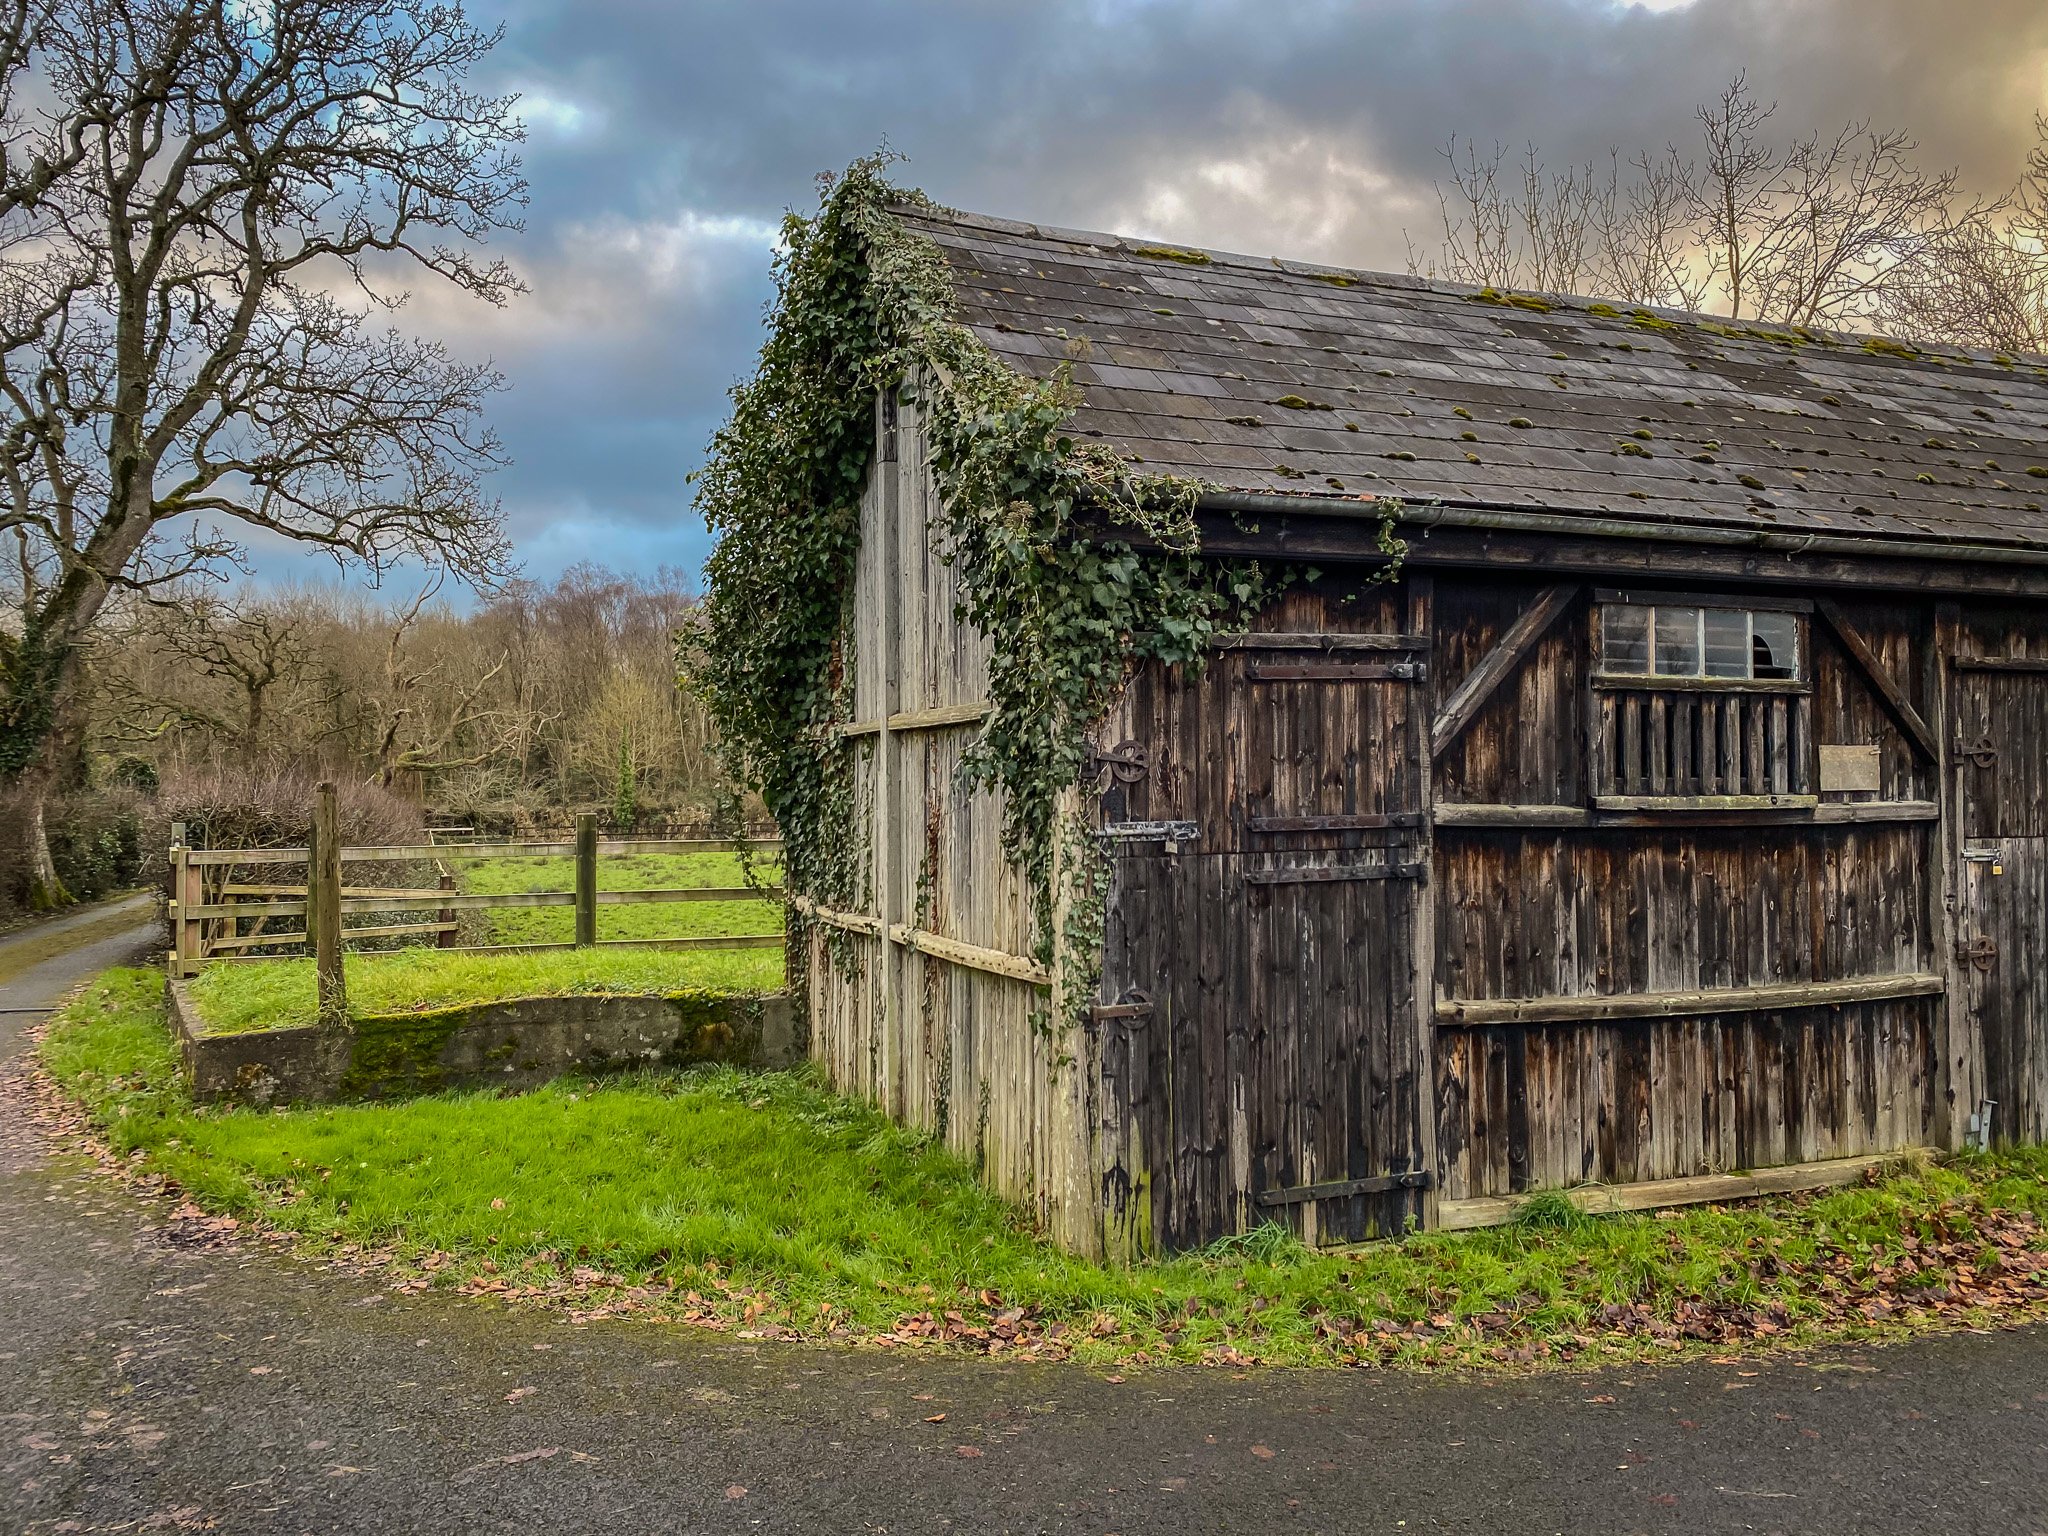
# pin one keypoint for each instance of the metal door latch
(1132, 1011)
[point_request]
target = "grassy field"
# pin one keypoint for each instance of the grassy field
(638, 872)
(760, 1202)
(279, 994)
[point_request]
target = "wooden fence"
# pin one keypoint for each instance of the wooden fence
(217, 913)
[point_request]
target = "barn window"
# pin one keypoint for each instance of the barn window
(1700, 701)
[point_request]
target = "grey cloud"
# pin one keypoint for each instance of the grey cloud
(1323, 118)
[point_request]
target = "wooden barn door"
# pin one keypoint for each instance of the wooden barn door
(1329, 872)
(2001, 767)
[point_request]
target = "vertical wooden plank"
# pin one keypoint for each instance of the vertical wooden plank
(323, 897)
(1755, 773)
(1632, 744)
(181, 925)
(1780, 749)
(1660, 744)
(586, 880)
(1962, 1061)
(1604, 746)
(1421, 897)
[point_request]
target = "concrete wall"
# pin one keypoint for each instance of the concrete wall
(517, 1043)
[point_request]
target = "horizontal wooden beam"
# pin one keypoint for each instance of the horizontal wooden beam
(1644, 682)
(410, 852)
(1827, 813)
(1461, 1013)
(934, 719)
(1498, 665)
(2001, 663)
(382, 931)
(715, 941)
(1612, 1199)
(1274, 640)
(471, 901)
(1702, 803)
(833, 917)
(994, 961)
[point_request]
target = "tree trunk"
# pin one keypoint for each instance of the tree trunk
(46, 891)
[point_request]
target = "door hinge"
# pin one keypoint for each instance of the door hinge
(1385, 1183)
(1131, 1011)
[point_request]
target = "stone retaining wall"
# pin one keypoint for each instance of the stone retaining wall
(514, 1043)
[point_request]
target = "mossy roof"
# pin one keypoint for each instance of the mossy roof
(1269, 376)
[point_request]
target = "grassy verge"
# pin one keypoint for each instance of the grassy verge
(639, 872)
(761, 1203)
(279, 994)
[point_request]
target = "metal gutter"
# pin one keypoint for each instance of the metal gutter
(1507, 519)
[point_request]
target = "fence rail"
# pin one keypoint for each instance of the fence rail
(210, 906)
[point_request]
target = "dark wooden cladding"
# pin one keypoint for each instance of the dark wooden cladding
(2000, 716)
(1546, 1107)
(1578, 841)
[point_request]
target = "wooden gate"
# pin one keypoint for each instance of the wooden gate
(1261, 1014)
(2001, 767)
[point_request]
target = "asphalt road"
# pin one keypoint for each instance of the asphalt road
(152, 1379)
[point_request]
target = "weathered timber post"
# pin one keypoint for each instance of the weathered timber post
(179, 922)
(586, 881)
(445, 917)
(323, 907)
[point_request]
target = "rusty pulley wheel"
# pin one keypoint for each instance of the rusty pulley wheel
(1982, 951)
(1982, 752)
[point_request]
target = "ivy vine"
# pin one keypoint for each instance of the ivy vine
(1080, 565)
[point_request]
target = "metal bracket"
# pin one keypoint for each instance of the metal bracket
(1134, 1007)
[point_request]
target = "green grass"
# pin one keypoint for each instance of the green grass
(763, 1202)
(637, 872)
(279, 994)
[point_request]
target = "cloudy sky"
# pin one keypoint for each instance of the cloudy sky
(667, 139)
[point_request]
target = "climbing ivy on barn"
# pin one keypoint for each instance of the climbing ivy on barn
(1080, 565)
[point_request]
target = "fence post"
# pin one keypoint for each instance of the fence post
(323, 906)
(586, 881)
(178, 918)
(446, 916)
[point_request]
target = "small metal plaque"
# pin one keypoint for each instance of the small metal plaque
(1850, 770)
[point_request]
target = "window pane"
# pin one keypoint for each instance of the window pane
(1776, 646)
(1727, 642)
(1624, 638)
(1678, 643)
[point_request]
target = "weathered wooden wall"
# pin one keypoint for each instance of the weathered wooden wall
(1591, 923)
(939, 1040)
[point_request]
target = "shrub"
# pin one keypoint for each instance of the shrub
(97, 842)
(255, 808)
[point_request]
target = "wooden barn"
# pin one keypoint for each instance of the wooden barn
(1673, 826)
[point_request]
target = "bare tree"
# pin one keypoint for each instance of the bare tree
(1983, 279)
(1806, 232)
(198, 222)
(221, 664)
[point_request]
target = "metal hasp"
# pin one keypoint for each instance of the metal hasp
(1151, 831)
(1384, 1184)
